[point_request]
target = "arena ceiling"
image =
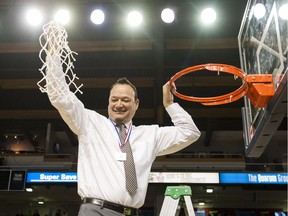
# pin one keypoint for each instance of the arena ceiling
(148, 56)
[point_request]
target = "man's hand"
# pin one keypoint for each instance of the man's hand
(52, 36)
(168, 97)
(52, 43)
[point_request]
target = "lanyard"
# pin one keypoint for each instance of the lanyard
(126, 138)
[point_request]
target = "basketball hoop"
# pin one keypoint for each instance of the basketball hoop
(258, 88)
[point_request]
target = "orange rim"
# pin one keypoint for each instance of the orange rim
(216, 100)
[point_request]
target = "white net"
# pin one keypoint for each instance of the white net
(53, 42)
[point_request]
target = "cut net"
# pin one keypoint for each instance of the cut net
(53, 41)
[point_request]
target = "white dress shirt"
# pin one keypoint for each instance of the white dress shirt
(100, 168)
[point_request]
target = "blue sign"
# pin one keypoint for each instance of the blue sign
(51, 177)
(253, 178)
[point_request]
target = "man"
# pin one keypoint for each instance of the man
(101, 161)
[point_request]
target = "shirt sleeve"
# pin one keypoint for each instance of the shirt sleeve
(69, 106)
(175, 138)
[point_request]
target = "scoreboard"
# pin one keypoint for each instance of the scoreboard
(12, 180)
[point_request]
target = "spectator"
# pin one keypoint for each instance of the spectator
(36, 213)
(58, 213)
(20, 213)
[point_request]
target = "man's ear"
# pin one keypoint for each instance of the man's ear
(137, 103)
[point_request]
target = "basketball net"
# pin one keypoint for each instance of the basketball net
(53, 42)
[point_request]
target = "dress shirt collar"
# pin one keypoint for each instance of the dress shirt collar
(127, 125)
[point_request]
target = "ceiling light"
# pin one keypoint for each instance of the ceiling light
(201, 203)
(209, 190)
(29, 189)
(283, 12)
(97, 17)
(62, 16)
(208, 15)
(259, 11)
(134, 18)
(40, 201)
(34, 17)
(167, 15)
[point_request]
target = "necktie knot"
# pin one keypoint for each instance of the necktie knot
(122, 131)
(121, 127)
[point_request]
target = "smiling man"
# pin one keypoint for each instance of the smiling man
(115, 156)
(123, 101)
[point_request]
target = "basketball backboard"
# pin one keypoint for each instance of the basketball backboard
(263, 47)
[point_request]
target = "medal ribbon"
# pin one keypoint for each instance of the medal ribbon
(126, 138)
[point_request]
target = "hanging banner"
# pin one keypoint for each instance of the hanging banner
(253, 178)
(51, 177)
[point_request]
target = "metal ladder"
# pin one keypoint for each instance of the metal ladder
(177, 197)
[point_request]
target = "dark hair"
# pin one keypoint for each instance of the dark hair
(125, 81)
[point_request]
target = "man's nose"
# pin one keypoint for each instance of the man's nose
(119, 103)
